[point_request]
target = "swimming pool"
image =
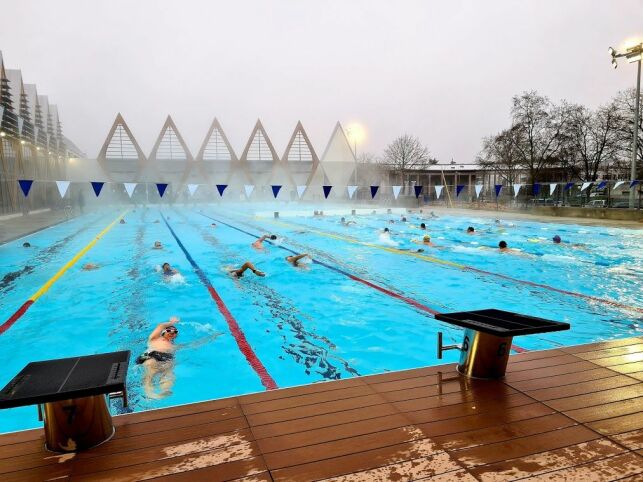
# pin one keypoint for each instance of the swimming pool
(365, 305)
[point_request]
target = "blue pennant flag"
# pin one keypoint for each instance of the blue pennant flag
(633, 183)
(25, 185)
(498, 189)
(601, 185)
(161, 186)
(536, 190)
(458, 189)
(97, 187)
(418, 191)
(374, 191)
(221, 188)
(568, 186)
(275, 190)
(327, 191)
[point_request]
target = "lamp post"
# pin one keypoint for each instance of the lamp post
(632, 54)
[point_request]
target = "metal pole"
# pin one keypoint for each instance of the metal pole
(635, 137)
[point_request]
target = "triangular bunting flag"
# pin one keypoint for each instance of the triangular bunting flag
(618, 183)
(161, 187)
(275, 190)
(351, 191)
(552, 187)
(396, 191)
(585, 186)
(633, 183)
(129, 188)
(300, 191)
(536, 189)
(478, 189)
(438, 191)
(326, 190)
(62, 187)
(248, 188)
(418, 190)
(498, 188)
(601, 185)
(374, 191)
(517, 189)
(568, 186)
(25, 185)
(97, 187)
(458, 189)
(221, 188)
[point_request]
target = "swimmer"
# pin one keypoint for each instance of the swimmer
(168, 270)
(26, 245)
(391, 221)
(471, 230)
(558, 241)
(423, 226)
(90, 266)
(258, 244)
(426, 241)
(213, 225)
(433, 215)
(122, 221)
(157, 221)
(294, 260)
(158, 359)
(403, 219)
(157, 245)
(346, 223)
(238, 273)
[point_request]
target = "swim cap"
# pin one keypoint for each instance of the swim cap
(426, 237)
(556, 239)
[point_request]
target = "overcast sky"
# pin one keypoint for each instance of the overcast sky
(444, 71)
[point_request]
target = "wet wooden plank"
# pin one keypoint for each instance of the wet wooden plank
(560, 380)
(584, 388)
(618, 425)
(546, 461)
(558, 360)
(611, 468)
(606, 410)
(611, 352)
(547, 372)
(600, 345)
(633, 440)
(576, 401)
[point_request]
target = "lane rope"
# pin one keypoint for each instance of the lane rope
(465, 267)
(44, 288)
(416, 304)
(253, 360)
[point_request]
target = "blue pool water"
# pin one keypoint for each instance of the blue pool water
(304, 325)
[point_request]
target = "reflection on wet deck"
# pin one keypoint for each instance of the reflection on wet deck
(567, 414)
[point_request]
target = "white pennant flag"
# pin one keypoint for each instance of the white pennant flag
(618, 183)
(438, 191)
(351, 191)
(552, 188)
(300, 191)
(62, 187)
(192, 188)
(478, 189)
(129, 187)
(585, 186)
(396, 191)
(248, 188)
(517, 189)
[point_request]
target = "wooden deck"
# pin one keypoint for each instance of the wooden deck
(567, 414)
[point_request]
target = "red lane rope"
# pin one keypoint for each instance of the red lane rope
(253, 360)
(393, 294)
(16, 316)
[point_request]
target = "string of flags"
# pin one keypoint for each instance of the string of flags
(97, 186)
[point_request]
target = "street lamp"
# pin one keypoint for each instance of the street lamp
(632, 54)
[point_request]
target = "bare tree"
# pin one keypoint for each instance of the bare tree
(625, 102)
(406, 154)
(500, 155)
(593, 138)
(541, 125)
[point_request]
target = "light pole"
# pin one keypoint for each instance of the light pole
(632, 54)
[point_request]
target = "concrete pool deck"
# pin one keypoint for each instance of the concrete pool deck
(572, 413)
(17, 225)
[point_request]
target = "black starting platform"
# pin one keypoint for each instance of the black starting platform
(488, 338)
(71, 397)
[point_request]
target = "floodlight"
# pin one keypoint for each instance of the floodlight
(614, 63)
(611, 51)
(634, 58)
(2, 134)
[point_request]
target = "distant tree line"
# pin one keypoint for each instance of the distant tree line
(580, 142)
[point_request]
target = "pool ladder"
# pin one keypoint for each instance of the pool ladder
(442, 348)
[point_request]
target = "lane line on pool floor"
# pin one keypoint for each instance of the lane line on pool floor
(416, 304)
(44, 288)
(463, 267)
(253, 360)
